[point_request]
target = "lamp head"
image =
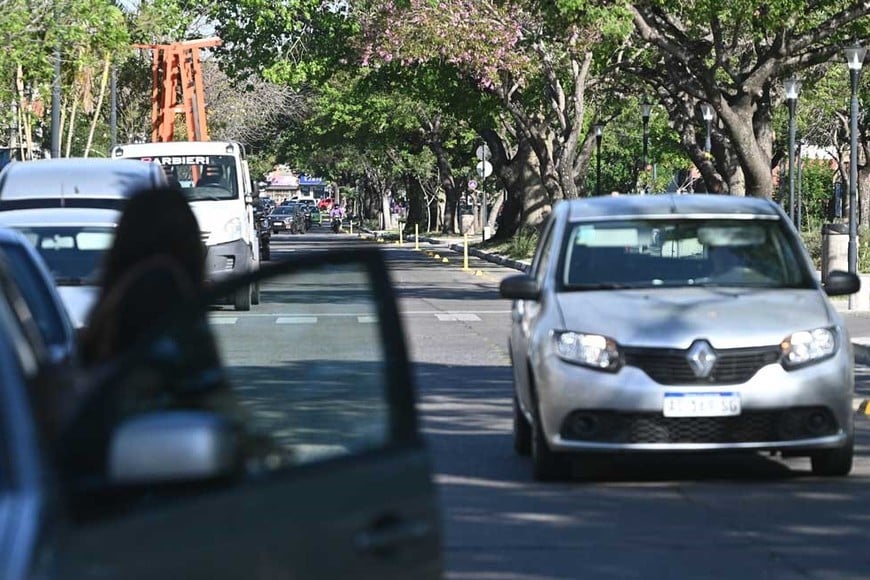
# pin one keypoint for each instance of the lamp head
(645, 109)
(707, 111)
(855, 56)
(792, 88)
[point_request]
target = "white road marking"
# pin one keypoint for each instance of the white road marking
(223, 319)
(457, 317)
(296, 320)
(367, 319)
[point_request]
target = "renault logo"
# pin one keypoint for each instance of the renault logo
(701, 358)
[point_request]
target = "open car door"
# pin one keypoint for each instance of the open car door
(298, 457)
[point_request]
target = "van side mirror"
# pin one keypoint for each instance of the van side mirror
(172, 446)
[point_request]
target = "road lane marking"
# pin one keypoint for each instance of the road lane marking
(296, 320)
(457, 317)
(367, 319)
(224, 319)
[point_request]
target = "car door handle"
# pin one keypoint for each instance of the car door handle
(391, 532)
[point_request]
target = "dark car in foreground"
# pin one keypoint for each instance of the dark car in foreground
(669, 323)
(304, 463)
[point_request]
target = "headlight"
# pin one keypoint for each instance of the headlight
(234, 228)
(807, 347)
(591, 350)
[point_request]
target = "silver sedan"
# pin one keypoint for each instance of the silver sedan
(686, 323)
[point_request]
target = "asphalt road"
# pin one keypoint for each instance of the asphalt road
(662, 517)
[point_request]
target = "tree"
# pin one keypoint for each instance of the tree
(735, 57)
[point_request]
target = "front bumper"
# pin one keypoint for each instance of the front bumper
(586, 410)
(224, 260)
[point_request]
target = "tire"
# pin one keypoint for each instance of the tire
(835, 462)
(265, 253)
(243, 299)
(255, 293)
(547, 465)
(522, 431)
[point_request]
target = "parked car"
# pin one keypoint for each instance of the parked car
(288, 218)
(29, 272)
(264, 228)
(253, 486)
(68, 209)
(689, 323)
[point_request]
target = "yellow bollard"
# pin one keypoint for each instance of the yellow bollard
(401, 229)
(417, 237)
(445, 260)
(465, 253)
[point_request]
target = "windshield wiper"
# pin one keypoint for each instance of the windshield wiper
(604, 286)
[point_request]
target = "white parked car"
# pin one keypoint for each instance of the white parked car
(690, 323)
(68, 209)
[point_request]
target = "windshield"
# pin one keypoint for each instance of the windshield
(284, 210)
(681, 252)
(201, 177)
(73, 254)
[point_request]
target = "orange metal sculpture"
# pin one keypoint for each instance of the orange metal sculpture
(177, 88)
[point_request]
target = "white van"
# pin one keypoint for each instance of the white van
(214, 178)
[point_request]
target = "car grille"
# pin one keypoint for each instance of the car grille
(671, 366)
(754, 426)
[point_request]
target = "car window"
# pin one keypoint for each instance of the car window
(72, 253)
(543, 251)
(36, 293)
(682, 252)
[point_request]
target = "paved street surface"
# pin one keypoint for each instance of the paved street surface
(674, 517)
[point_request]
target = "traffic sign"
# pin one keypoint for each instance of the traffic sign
(472, 185)
(482, 152)
(484, 169)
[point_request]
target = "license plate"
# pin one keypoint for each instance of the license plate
(701, 404)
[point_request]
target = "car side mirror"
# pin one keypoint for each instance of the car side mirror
(839, 283)
(520, 287)
(172, 446)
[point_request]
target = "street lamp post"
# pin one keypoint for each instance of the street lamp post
(792, 88)
(598, 130)
(800, 173)
(855, 59)
(645, 110)
(707, 115)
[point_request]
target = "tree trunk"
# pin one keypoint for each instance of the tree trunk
(104, 81)
(740, 124)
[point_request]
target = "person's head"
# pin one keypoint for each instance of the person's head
(155, 222)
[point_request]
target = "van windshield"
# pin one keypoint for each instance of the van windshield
(201, 177)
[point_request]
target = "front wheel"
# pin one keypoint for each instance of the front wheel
(547, 465)
(243, 299)
(522, 431)
(255, 293)
(835, 462)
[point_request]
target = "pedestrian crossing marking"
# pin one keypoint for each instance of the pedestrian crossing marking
(367, 319)
(224, 320)
(457, 317)
(296, 320)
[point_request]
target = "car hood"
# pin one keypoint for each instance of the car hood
(675, 318)
(78, 301)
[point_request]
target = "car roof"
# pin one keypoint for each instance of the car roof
(60, 216)
(77, 178)
(614, 207)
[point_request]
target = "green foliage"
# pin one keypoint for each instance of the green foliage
(522, 245)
